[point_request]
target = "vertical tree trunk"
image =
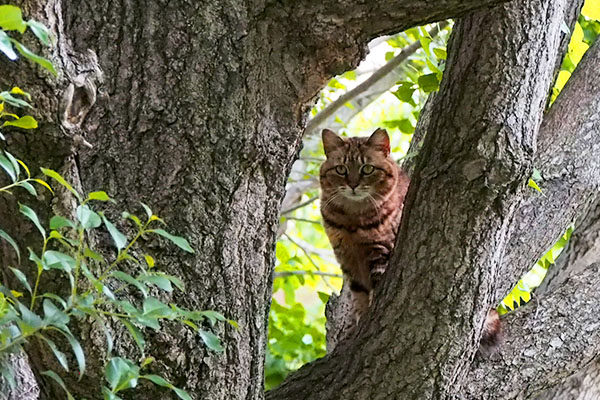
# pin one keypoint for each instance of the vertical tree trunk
(196, 108)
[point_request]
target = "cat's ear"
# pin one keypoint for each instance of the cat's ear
(331, 141)
(380, 140)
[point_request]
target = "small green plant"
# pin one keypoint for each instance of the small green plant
(96, 285)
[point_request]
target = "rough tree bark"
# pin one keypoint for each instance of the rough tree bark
(199, 112)
(468, 174)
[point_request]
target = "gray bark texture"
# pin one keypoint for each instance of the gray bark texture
(197, 109)
(582, 248)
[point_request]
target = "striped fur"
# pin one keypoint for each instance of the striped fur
(361, 208)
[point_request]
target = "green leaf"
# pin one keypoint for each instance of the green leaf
(57, 222)
(149, 260)
(14, 101)
(6, 46)
(44, 184)
(157, 380)
(14, 163)
(324, 297)
(121, 374)
(178, 240)
(55, 298)
(60, 356)
(29, 213)
(536, 175)
(22, 278)
(429, 83)
(212, 316)
(131, 280)
(99, 195)
(534, 185)
(175, 281)
(147, 209)
(182, 394)
(56, 260)
(11, 241)
(30, 318)
(157, 309)
(25, 168)
(11, 19)
(40, 31)
(77, 350)
(405, 92)
(58, 178)
(211, 341)
(25, 122)
(89, 253)
(53, 315)
(88, 218)
(403, 124)
(8, 167)
(132, 217)
(137, 335)
(160, 281)
(425, 43)
(57, 379)
(34, 57)
(29, 187)
(440, 53)
(108, 395)
(119, 239)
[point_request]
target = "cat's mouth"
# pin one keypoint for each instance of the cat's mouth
(355, 195)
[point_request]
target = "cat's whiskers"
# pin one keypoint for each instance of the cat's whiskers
(374, 202)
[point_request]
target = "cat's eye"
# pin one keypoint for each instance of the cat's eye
(367, 169)
(341, 169)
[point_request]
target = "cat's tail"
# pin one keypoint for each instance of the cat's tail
(492, 333)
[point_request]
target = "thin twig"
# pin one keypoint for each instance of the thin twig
(284, 274)
(312, 221)
(294, 208)
(391, 65)
(307, 254)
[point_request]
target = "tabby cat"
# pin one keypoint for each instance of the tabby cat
(362, 196)
(363, 192)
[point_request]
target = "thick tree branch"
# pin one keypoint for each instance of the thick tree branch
(546, 341)
(582, 249)
(328, 38)
(569, 161)
(475, 160)
(378, 18)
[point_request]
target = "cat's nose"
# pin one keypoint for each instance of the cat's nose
(353, 186)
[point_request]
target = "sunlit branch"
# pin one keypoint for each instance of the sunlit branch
(296, 207)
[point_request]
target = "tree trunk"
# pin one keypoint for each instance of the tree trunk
(198, 112)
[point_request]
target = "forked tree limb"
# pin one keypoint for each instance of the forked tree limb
(477, 156)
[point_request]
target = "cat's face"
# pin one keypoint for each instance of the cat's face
(357, 170)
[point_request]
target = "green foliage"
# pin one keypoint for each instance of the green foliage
(584, 34)
(11, 19)
(522, 292)
(95, 283)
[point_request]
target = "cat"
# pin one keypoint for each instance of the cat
(362, 197)
(362, 194)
